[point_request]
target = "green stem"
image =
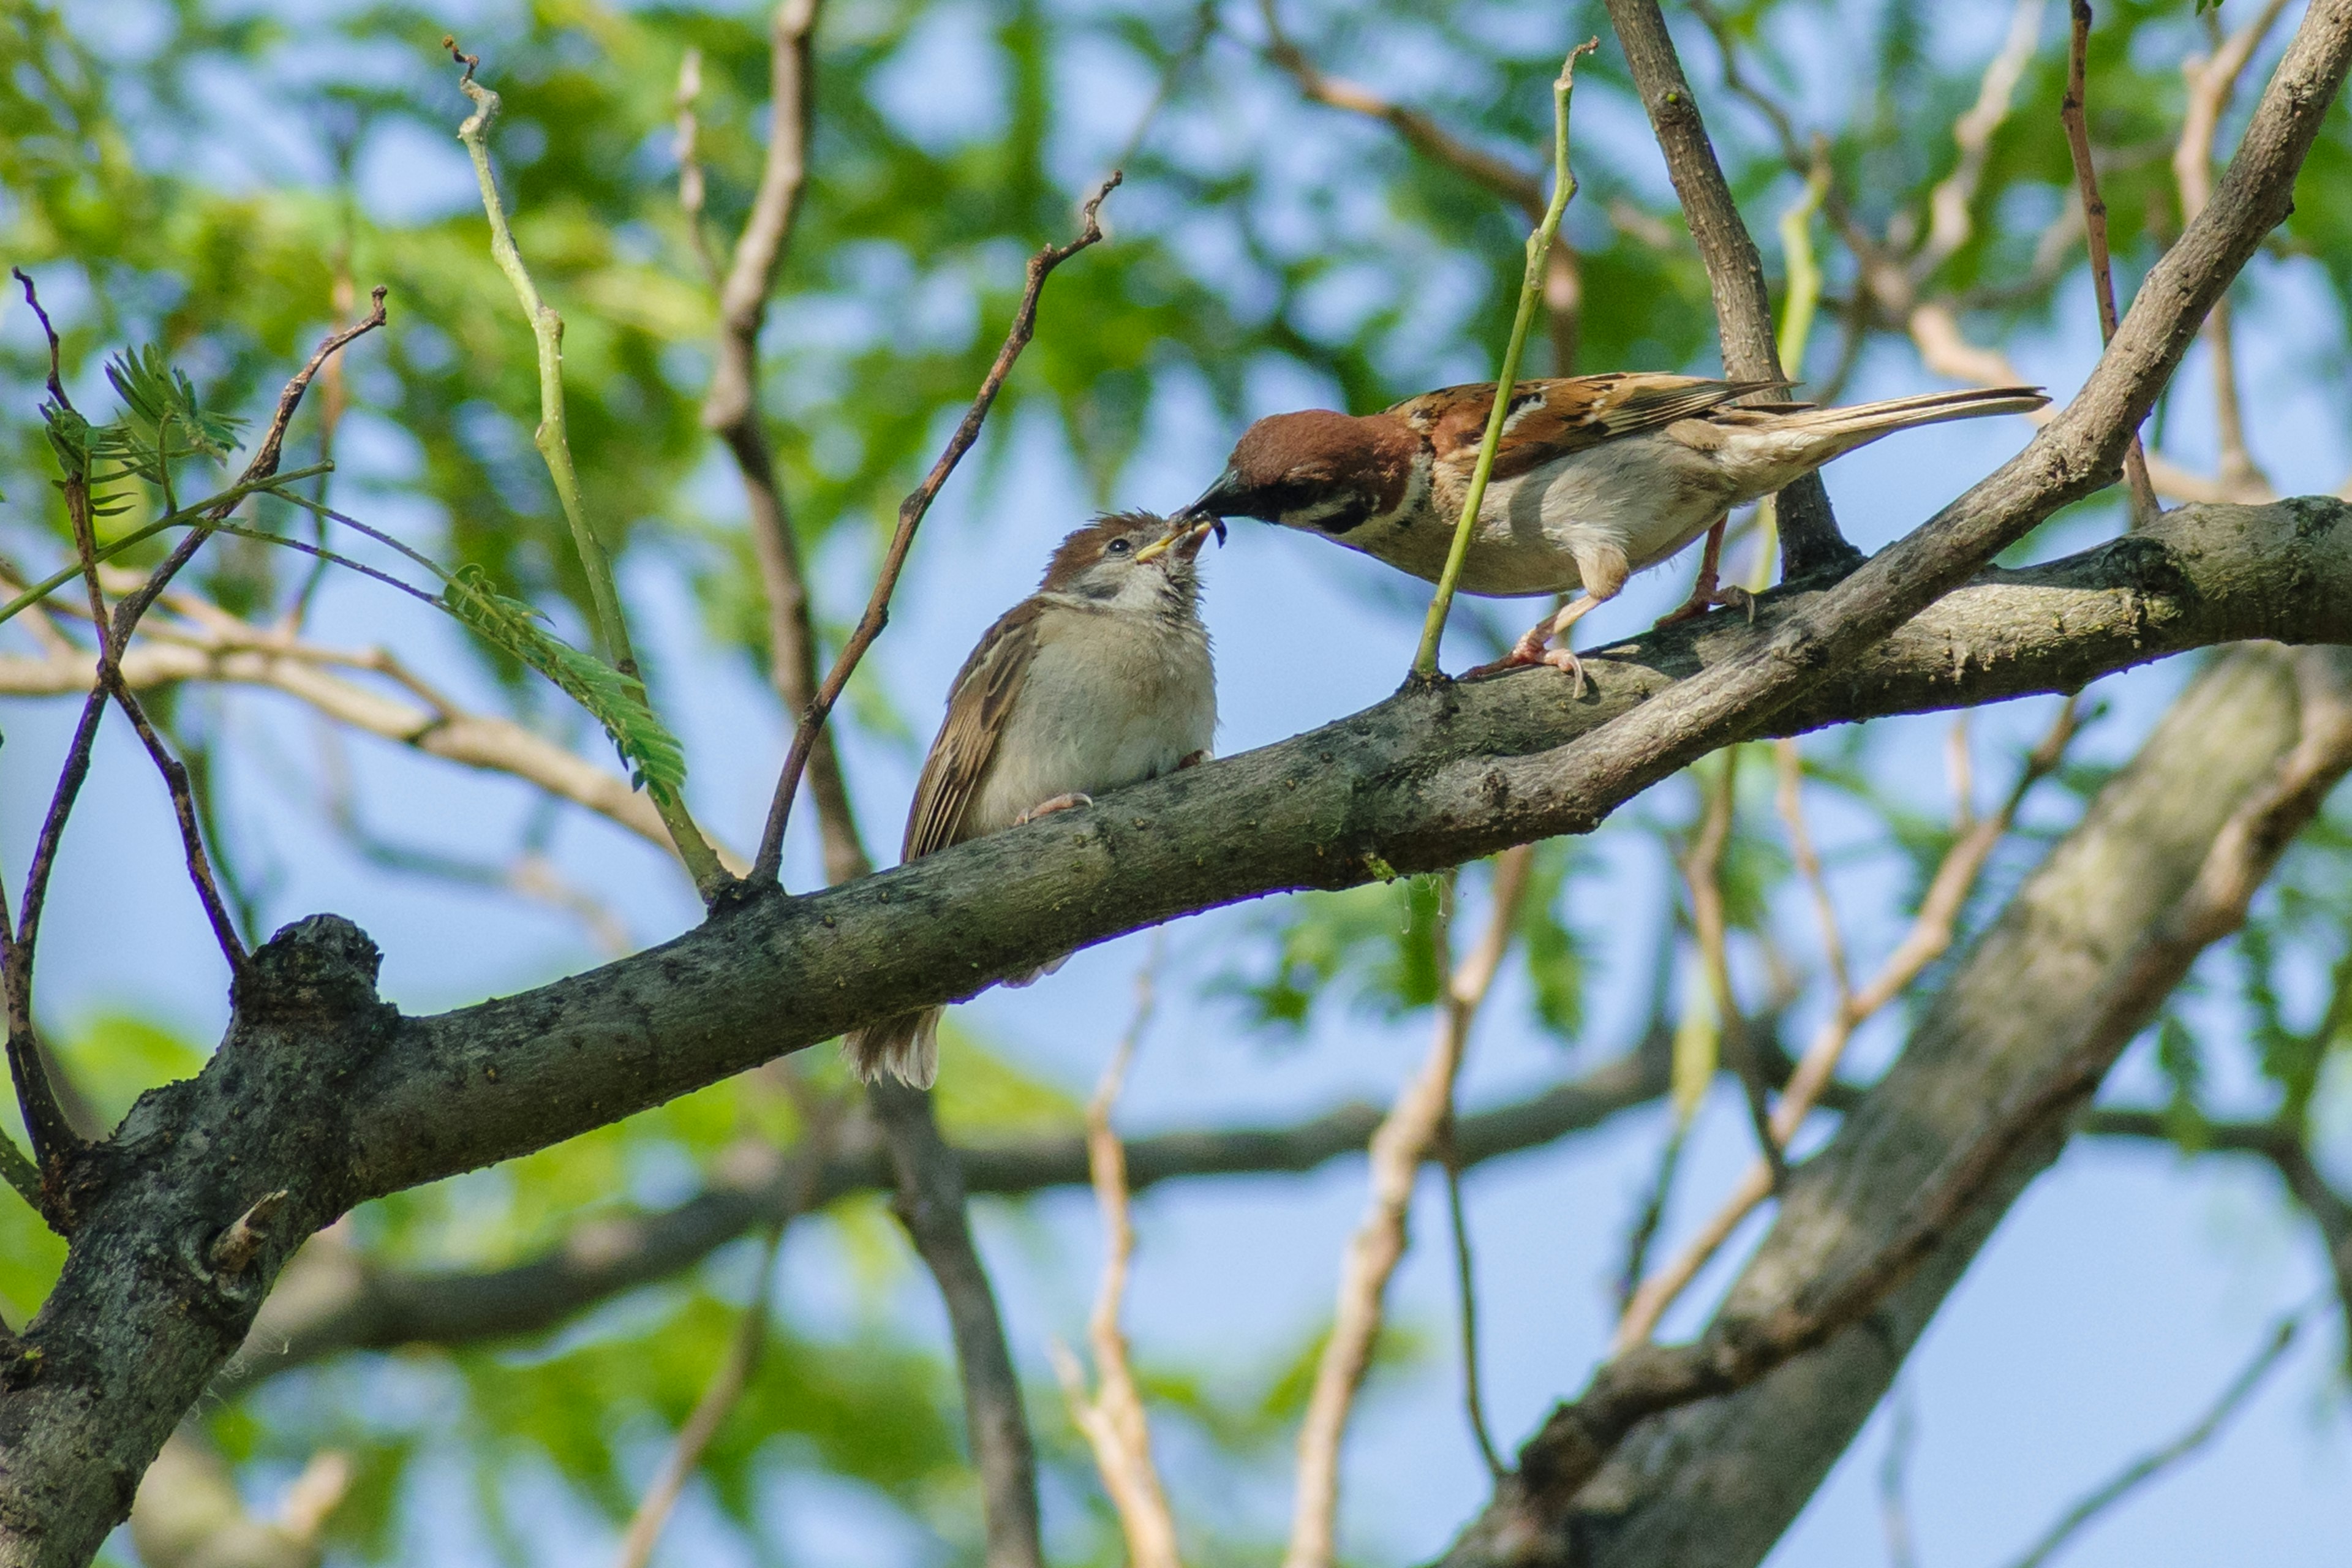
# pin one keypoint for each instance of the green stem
(555, 449)
(1796, 331)
(186, 514)
(1424, 662)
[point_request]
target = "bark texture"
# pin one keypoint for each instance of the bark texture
(1714, 1485)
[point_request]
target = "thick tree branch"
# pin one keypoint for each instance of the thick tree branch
(1810, 541)
(2072, 971)
(1438, 775)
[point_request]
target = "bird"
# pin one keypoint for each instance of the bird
(1100, 679)
(1595, 478)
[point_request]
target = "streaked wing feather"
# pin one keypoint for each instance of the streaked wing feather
(978, 706)
(1550, 419)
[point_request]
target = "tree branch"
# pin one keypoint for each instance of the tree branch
(2072, 971)
(930, 1204)
(1810, 541)
(1435, 776)
(910, 517)
(731, 407)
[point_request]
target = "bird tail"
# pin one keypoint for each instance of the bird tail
(1851, 427)
(905, 1046)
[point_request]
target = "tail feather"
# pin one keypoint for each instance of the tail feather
(1864, 422)
(905, 1046)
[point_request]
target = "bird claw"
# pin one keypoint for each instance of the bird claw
(1562, 658)
(1046, 808)
(1707, 596)
(1526, 652)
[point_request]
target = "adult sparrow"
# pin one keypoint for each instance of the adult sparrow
(1595, 478)
(1098, 679)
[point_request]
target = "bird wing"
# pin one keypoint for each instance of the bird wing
(979, 704)
(1550, 419)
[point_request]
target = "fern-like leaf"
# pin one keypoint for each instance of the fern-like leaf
(618, 701)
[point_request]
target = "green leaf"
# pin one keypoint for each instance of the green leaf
(617, 700)
(162, 418)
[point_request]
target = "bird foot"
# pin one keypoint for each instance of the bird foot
(1562, 658)
(1046, 808)
(1527, 651)
(1191, 760)
(1706, 596)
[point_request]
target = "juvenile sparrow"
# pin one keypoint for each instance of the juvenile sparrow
(1098, 679)
(1595, 478)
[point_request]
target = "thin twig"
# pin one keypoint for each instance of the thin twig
(555, 449)
(2071, 114)
(2148, 1466)
(1563, 290)
(930, 1204)
(1950, 206)
(1406, 1137)
(1810, 541)
(1112, 1418)
(1531, 282)
(1651, 1215)
(731, 406)
(2212, 80)
(1701, 867)
(733, 1374)
(764, 868)
(1928, 938)
(1466, 1297)
(1894, 1508)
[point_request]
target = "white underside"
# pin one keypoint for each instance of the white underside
(1640, 498)
(1111, 700)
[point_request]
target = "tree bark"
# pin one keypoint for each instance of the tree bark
(1714, 1485)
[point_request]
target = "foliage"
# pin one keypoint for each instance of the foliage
(210, 187)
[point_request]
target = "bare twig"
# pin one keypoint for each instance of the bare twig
(930, 1205)
(692, 190)
(1563, 285)
(2212, 80)
(1112, 1418)
(910, 516)
(1810, 540)
(710, 1411)
(1465, 1294)
(2148, 1466)
(1929, 936)
(731, 407)
(555, 449)
(1702, 867)
(819, 1125)
(2071, 112)
(1950, 219)
(1894, 1508)
(1405, 1139)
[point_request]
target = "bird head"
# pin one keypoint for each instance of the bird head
(1130, 560)
(1314, 468)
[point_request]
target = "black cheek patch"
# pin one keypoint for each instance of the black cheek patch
(1353, 515)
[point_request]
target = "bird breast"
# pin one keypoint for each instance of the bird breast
(1111, 699)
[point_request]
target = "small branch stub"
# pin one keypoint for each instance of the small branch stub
(235, 1248)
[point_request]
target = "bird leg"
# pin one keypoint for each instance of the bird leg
(1535, 647)
(1048, 807)
(1706, 592)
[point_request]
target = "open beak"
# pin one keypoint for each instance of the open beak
(1218, 501)
(1184, 538)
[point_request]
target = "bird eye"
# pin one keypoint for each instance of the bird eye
(1119, 547)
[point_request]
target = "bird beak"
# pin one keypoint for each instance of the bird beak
(1183, 537)
(1227, 498)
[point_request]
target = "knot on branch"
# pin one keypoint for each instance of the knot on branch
(319, 964)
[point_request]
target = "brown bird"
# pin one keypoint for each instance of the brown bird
(1595, 478)
(1100, 678)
